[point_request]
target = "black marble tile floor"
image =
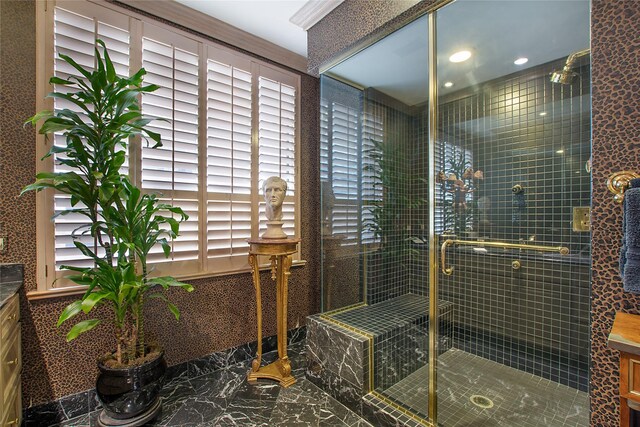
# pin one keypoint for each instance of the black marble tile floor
(224, 398)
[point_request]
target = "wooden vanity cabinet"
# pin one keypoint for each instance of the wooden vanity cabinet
(10, 364)
(625, 337)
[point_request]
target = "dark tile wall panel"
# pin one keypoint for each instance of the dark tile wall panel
(525, 130)
(347, 186)
(545, 305)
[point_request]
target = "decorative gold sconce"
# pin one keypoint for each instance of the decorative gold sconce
(618, 183)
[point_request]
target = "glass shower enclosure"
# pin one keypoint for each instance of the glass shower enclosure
(455, 205)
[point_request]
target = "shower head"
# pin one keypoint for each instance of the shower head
(566, 75)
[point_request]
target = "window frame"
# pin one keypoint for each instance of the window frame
(48, 284)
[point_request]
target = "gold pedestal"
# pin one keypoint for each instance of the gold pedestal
(279, 251)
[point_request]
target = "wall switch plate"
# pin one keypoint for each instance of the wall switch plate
(3, 243)
(582, 219)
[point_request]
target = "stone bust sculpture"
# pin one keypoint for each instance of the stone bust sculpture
(274, 190)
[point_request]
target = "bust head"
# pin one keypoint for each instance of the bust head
(274, 190)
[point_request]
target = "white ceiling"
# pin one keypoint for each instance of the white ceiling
(268, 19)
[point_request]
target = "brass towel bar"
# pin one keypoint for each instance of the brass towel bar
(562, 250)
(618, 183)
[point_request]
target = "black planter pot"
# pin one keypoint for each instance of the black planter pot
(130, 396)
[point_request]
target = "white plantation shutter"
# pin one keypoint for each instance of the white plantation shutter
(345, 133)
(347, 138)
(75, 34)
(226, 121)
(172, 63)
(324, 140)
(373, 131)
(276, 109)
(276, 141)
(229, 125)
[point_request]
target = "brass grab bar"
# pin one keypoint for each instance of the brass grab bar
(562, 250)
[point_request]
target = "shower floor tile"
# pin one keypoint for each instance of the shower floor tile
(387, 316)
(518, 398)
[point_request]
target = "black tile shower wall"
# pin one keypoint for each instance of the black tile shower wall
(535, 318)
(525, 130)
(518, 130)
(387, 272)
(419, 265)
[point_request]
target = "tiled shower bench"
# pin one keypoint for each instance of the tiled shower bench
(390, 336)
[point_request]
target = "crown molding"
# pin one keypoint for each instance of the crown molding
(312, 12)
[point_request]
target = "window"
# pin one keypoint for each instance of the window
(347, 139)
(450, 159)
(229, 122)
(345, 153)
(172, 170)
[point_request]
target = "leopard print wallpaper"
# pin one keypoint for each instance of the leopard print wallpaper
(334, 34)
(615, 70)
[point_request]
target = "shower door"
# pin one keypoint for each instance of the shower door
(455, 250)
(512, 148)
(375, 232)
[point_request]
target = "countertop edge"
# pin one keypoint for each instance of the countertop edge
(7, 290)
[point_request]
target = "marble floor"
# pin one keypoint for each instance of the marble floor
(224, 398)
(515, 398)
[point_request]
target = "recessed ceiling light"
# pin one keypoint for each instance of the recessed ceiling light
(521, 61)
(544, 113)
(461, 56)
(560, 151)
(448, 84)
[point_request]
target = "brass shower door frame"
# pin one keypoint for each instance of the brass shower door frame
(431, 11)
(433, 259)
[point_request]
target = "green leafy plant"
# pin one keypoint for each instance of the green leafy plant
(392, 174)
(123, 223)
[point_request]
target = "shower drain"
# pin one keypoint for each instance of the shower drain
(481, 401)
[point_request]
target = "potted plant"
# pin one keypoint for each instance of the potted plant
(124, 225)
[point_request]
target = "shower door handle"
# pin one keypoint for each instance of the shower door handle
(448, 271)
